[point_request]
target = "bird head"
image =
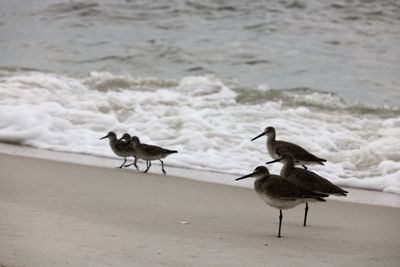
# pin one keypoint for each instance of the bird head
(267, 131)
(110, 135)
(259, 172)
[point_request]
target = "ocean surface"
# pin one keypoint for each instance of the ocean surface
(204, 77)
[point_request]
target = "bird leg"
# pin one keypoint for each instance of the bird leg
(148, 166)
(305, 214)
(123, 163)
(162, 167)
(134, 164)
(280, 223)
(304, 166)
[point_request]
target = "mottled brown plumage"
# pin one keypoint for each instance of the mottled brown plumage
(150, 152)
(120, 147)
(279, 192)
(308, 180)
(276, 149)
(127, 139)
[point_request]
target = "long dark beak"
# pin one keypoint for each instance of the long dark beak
(244, 177)
(273, 161)
(104, 137)
(258, 136)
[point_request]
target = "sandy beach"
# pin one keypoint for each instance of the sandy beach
(65, 214)
(220, 83)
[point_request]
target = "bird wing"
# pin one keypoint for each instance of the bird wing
(153, 150)
(314, 182)
(121, 145)
(281, 188)
(297, 151)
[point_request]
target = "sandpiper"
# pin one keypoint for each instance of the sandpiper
(150, 153)
(307, 179)
(279, 192)
(276, 148)
(120, 147)
(127, 138)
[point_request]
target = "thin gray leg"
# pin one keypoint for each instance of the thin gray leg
(148, 166)
(305, 215)
(134, 164)
(162, 167)
(123, 163)
(280, 223)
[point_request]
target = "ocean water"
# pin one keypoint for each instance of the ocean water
(205, 77)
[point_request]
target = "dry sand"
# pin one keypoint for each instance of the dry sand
(65, 214)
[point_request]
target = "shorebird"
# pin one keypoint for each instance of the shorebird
(120, 147)
(150, 153)
(308, 180)
(279, 192)
(277, 148)
(127, 138)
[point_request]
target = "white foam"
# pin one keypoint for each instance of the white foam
(202, 119)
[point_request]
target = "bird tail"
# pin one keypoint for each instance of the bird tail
(316, 196)
(339, 192)
(321, 161)
(332, 189)
(314, 199)
(171, 151)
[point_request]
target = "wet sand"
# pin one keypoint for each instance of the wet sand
(65, 214)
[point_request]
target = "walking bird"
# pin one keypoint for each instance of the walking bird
(150, 153)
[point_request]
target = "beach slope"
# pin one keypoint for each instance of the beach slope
(64, 214)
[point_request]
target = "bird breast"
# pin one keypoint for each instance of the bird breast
(271, 151)
(280, 203)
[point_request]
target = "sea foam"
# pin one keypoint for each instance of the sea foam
(209, 121)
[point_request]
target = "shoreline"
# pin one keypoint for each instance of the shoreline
(356, 195)
(58, 213)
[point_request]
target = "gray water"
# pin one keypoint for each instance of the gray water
(350, 48)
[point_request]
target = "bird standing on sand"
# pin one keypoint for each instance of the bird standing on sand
(308, 180)
(150, 153)
(277, 148)
(121, 147)
(279, 192)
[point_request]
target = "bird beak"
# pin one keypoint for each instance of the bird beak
(258, 136)
(273, 161)
(244, 177)
(104, 137)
